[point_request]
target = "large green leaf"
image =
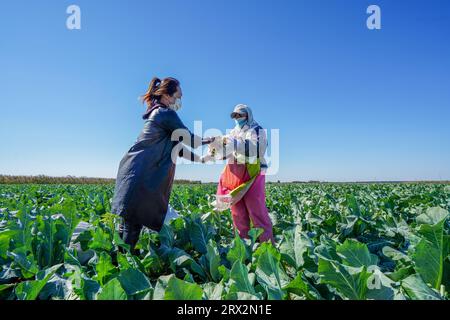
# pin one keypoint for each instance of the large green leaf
(262, 248)
(101, 240)
(57, 288)
(4, 287)
(327, 250)
(160, 287)
(128, 260)
(134, 281)
(198, 236)
(6, 291)
(152, 263)
(22, 230)
(181, 230)
(351, 283)
(5, 239)
(213, 257)
(237, 252)
(180, 259)
(380, 287)
(395, 254)
(400, 273)
(181, 290)
(254, 234)
(89, 288)
(417, 289)
(213, 291)
(9, 273)
(225, 273)
(271, 276)
(166, 236)
(356, 254)
(353, 205)
(239, 279)
(104, 267)
(432, 249)
(294, 245)
(243, 296)
(69, 211)
(29, 290)
(71, 257)
(302, 287)
(49, 244)
(432, 216)
(112, 291)
(26, 263)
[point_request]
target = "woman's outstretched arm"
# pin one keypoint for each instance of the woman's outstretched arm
(192, 156)
(179, 132)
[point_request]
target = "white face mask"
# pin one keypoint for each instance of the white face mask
(176, 106)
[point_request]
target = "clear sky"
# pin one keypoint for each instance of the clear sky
(350, 103)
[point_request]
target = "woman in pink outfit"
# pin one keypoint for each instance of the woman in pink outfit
(244, 175)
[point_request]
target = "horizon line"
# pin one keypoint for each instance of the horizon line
(201, 181)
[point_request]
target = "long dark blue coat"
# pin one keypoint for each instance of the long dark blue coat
(146, 172)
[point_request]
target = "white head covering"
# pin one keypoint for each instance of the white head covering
(242, 108)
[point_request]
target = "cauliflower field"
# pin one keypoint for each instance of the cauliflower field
(333, 241)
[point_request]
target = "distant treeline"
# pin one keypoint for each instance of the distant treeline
(42, 179)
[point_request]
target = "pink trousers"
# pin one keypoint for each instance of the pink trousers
(252, 207)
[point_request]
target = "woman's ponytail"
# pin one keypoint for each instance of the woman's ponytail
(151, 93)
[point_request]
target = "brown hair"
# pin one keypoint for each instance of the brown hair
(158, 88)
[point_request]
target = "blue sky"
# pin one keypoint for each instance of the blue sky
(350, 103)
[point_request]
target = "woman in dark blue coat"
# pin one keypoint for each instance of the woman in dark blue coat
(146, 172)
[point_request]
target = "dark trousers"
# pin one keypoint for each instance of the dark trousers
(130, 234)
